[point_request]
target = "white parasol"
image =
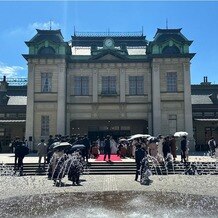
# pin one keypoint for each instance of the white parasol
(138, 136)
(62, 145)
(180, 134)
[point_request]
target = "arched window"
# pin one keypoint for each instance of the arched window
(46, 51)
(171, 50)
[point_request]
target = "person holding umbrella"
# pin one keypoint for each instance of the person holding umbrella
(183, 148)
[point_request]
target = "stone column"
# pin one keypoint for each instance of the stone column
(150, 123)
(156, 110)
(95, 86)
(122, 85)
(30, 104)
(68, 124)
(187, 103)
(61, 108)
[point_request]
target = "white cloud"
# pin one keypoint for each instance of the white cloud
(9, 71)
(44, 26)
(31, 28)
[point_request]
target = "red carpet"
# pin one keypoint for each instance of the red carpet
(114, 157)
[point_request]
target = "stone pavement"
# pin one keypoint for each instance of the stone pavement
(33, 158)
(31, 185)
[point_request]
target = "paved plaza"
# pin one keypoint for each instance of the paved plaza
(12, 186)
(33, 158)
(31, 185)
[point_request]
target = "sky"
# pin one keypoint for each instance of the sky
(198, 20)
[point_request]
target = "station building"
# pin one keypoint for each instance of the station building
(108, 83)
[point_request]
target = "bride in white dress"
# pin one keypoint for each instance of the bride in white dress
(113, 146)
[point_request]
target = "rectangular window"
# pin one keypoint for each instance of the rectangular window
(171, 82)
(209, 114)
(44, 125)
(2, 131)
(172, 124)
(81, 85)
(21, 115)
(125, 128)
(197, 114)
(109, 85)
(2, 115)
(46, 81)
(11, 115)
(136, 86)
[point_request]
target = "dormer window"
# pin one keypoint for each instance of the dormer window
(46, 51)
(171, 50)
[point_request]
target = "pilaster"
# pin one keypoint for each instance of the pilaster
(156, 110)
(61, 108)
(122, 85)
(30, 103)
(187, 100)
(95, 86)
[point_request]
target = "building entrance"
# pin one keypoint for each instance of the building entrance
(93, 135)
(102, 128)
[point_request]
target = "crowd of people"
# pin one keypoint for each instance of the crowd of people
(159, 148)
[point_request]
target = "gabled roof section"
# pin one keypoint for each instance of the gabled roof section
(163, 35)
(109, 54)
(49, 35)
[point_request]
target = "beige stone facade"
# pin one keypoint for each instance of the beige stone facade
(155, 111)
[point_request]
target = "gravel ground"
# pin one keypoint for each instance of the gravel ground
(13, 186)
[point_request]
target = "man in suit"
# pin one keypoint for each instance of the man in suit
(107, 148)
(86, 142)
(139, 155)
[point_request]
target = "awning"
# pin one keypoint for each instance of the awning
(207, 120)
(12, 121)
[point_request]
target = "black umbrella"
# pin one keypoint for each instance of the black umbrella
(77, 147)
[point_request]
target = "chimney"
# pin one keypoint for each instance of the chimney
(205, 82)
(3, 85)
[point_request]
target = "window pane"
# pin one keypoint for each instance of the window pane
(112, 85)
(85, 85)
(172, 124)
(81, 85)
(108, 84)
(46, 79)
(136, 85)
(77, 85)
(132, 85)
(140, 86)
(172, 82)
(105, 84)
(44, 125)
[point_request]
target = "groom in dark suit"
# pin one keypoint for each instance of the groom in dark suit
(107, 148)
(139, 155)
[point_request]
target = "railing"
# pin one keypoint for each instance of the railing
(16, 81)
(108, 33)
